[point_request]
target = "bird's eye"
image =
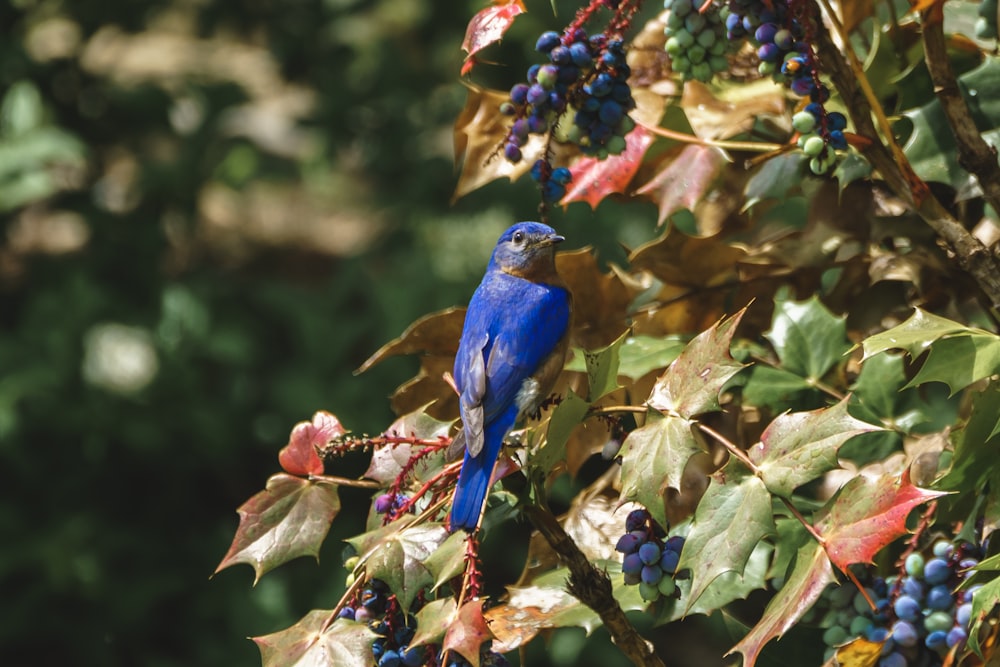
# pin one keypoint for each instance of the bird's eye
(518, 237)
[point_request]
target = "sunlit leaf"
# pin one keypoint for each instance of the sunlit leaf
(602, 368)
(733, 516)
(600, 299)
(805, 583)
(399, 558)
(653, 459)
(773, 387)
(388, 461)
(448, 560)
(691, 385)
(914, 335)
(489, 25)
(859, 652)
(566, 416)
(468, 632)
(727, 111)
(594, 179)
(984, 601)
(299, 456)
(433, 620)
(808, 338)
(867, 515)
(290, 518)
(799, 447)
(958, 361)
(434, 333)
(309, 643)
(679, 259)
(683, 178)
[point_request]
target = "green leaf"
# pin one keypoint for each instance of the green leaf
(290, 518)
(775, 178)
(805, 583)
(448, 560)
(602, 369)
(653, 458)
(799, 447)
(984, 601)
(21, 110)
(732, 517)
(914, 335)
(642, 354)
(691, 385)
(975, 444)
(958, 361)
(566, 416)
(400, 559)
(852, 168)
(433, 620)
(807, 337)
(773, 387)
(878, 385)
(309, 643)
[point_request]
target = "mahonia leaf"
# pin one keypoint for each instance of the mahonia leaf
(914, 335)
(468, 632)
(685, 178)
(594, 522)
(566, 416)
(807, 337)
(732, 517)
(774, 387)
(653, 459)
(488, 26)
(643, 354)
(290, 518)
(594, 179)
(799, 447)
(435, 333)
(311, 643)
(775, 178)
(867, 515)
(852, 168)
(688, 261)
(433, 620)
(805, 583)
(691, 385)
(600, 299)
(984, 601)
(448, 560)
(975, 446)
(388, 461)
(602, 369)
(859, 652)
(299, 456)
(399, 559)
(960, 360)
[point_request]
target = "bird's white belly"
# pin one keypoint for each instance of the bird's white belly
(527, 398)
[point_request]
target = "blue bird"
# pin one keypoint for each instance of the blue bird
(512, 348)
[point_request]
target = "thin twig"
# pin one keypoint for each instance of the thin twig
(974, 154)
(344, 481)
(729, 445)
(747, 146)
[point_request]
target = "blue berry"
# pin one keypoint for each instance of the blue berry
(906, 608)
(937, 571)
(547, 41)
(628, 543)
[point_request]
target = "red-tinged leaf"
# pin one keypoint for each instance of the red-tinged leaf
(490, 24)
(867, 514)
(799, 447)
(683, 178)
(732, 518)
(653, 459)
(299, 456)
(691, 384)
(595, 179)
(309, 643)
(468, 632)
(388, 461)
(433, 621)
(811, 574)
(290, 518)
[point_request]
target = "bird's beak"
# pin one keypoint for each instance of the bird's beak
(550, 240)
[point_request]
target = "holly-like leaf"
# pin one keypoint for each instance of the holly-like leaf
(691, 385)
(732, 517)
(684, 177)
(859, 653)
(914, 335)
(799, 447)
(313, 643)
(388, 461)
(852, 168)
(653, 459)
(984, 601)
(400, 557)
(594, 179)
(773, 387)
(975, 444)
(299, 456)
(805, 583)
(435, 333)
(448, 560)
(566, 416)
(433, 621)
(488, 26)
(468, 632)
(808, 338)
(602, 369)
(600, 299)
(638, 355)
(960, 360)
(290, 518)
(688, 261)
(594, 522)
(775, 178)
(868, 514)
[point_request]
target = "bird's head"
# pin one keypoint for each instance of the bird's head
(527, 250)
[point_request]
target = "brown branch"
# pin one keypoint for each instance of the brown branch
(885, 156)
(593, 588)
(974, 154)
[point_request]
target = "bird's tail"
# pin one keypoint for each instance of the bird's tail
(474, 478)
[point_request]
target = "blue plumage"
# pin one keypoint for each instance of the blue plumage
(512, 348)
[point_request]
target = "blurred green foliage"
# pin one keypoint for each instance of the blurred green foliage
(212, 212)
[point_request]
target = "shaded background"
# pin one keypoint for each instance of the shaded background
(210, 213)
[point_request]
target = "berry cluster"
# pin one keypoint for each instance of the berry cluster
(390, 503)
(918, 615)
(986, 24)
(696, 38)
(377, 607)
(820, 135)
(650, 557)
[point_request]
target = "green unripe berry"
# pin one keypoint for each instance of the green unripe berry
(718, 48)
(696, 54)
(804, 122)
(616, 145)
(835, 636)
(673, 47)
(648, 593)
(718, 63)
(765, 68)
(706, 38)
(685, 38)
(701, 72)
(667, 586)
(814, 146)
(694, 22)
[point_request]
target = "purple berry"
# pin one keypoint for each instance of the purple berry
(512, 152)
(669, 561)
(649, 553)
(547, 41)
(537, 94)
(560, 56)
(519, 94)
(765, 33)
(628, 543)
(383, 503)
(937, 571)
(651, 574)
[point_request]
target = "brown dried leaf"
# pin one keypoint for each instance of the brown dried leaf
(734, 112)
(600, 300)
(684, 176)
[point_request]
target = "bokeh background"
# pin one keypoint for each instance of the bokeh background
(211, 212)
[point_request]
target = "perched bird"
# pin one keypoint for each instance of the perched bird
(512, 348)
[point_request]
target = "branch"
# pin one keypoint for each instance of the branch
(850, 81)
(593, 588)
(974, 154)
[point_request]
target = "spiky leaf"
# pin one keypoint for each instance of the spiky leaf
(313, 643)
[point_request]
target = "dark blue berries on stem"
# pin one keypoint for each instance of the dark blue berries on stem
(647, 560)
